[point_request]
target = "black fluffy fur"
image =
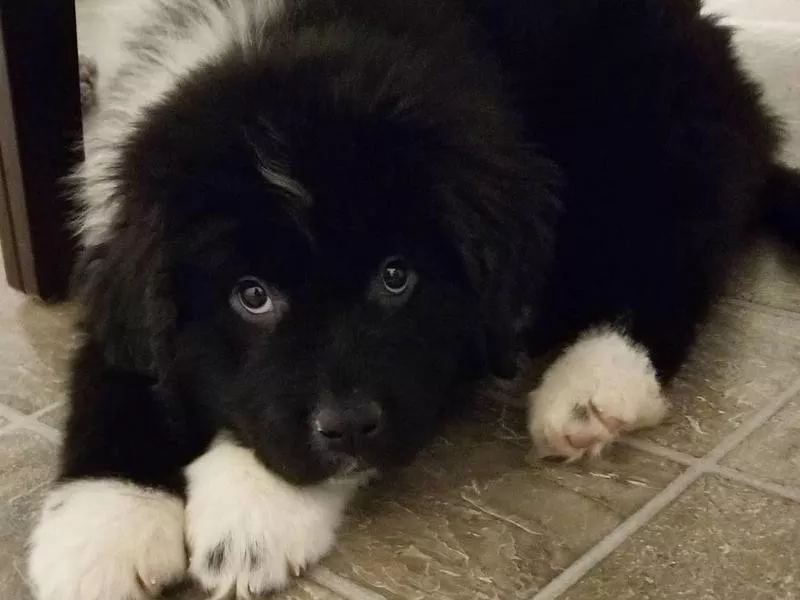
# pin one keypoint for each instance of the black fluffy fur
(545, 165)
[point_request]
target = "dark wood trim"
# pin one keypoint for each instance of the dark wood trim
(40, 125)
(11, 184)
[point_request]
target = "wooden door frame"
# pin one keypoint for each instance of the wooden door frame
(40, 127)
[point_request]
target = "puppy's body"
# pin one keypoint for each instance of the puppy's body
(311, 226)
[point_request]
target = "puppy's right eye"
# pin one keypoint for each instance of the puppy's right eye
(253, 296)
(254, 301)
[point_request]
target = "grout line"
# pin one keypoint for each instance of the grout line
(737, 436)
(572, 574)
(42, 430)
(12, 414)
(658, 450)
(733, 301)
(49, 433)
(339, 585)
(48, 409)
(758, 484)
(20, 420)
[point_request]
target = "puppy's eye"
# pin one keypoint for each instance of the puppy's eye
(394, 282)
(396, 275)
(253, 300)
(254, 297)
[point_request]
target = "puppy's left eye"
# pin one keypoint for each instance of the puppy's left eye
(396, 275)
(395, 281)
(254, 300)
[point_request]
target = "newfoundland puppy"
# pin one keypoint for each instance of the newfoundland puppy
(311, 227)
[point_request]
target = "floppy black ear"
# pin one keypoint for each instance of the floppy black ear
(122, 284)
(504, 318)
(501, 220)
(498, 349)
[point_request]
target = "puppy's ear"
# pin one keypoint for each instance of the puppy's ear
(122, 284)
(501, 225)
(499, 335)
(498, 348)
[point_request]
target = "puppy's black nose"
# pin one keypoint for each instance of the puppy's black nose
(344, 429)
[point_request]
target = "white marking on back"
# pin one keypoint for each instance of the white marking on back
(146, 56)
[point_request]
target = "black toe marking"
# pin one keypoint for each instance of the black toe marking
(255, 555)
(554, 459)
(175, 587)
(581, 413)
(216, 558)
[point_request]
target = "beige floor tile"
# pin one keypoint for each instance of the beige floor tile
(26, 467)
(477, 517)
(34, 349)
(720, 541)
(743, 359)
(26, 462)
(773, 452)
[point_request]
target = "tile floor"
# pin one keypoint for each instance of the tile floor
(706, 507)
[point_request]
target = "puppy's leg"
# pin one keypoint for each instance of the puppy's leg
(112, 527)
(248, 530)
(602, 385)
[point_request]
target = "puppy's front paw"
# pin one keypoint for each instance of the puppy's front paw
(600, 387)
(106, 540)
(248, 530)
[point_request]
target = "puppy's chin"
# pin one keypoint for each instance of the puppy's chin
(316, 467)
(356, 469)
(309, 467)
(345, 466)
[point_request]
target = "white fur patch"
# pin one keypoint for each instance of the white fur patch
(142, 58)
(106, 540)
(599, 387)
(249, 530)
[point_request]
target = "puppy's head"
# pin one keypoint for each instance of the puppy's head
(319, 262)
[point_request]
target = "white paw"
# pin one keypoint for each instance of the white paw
(248, 530)
(106, 540)
(601, 386)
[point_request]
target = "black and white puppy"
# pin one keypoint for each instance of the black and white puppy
(311, 227)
